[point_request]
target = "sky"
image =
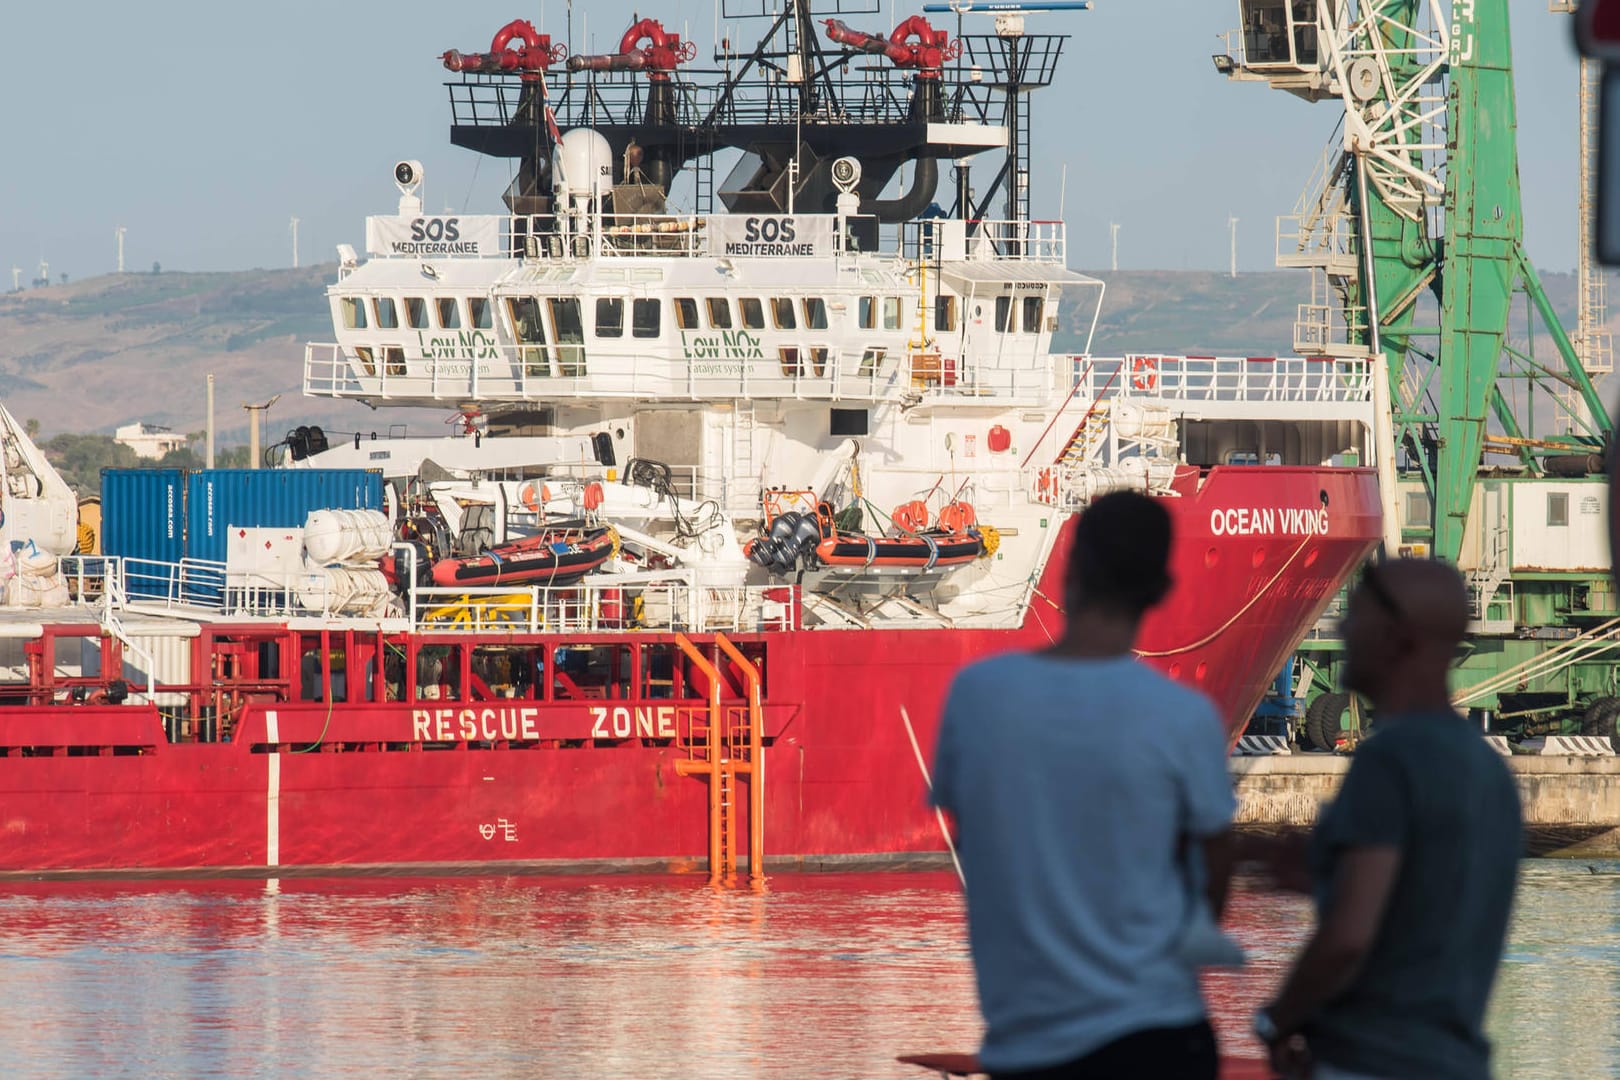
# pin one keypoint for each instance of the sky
(203, 128)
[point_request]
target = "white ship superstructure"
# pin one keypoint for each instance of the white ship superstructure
(902, 374)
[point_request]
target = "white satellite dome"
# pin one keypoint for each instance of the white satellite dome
(582, 164)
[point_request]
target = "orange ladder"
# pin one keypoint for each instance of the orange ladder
(728, 749)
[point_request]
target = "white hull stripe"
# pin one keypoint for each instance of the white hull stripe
(272, 802)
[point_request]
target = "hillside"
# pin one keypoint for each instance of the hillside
(1199, 312)
(90, 355)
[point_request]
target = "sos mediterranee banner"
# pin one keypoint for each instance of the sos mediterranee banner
(463, 234)
(771, 236)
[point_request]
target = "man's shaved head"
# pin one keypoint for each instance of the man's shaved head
(1404, 623)
(1432, 597)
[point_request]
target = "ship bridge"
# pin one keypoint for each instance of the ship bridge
(691, 308)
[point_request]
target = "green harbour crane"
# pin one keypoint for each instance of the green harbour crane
(1413, 230)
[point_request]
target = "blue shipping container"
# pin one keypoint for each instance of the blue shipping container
(142, 511)
(143, 520)
(218, 500)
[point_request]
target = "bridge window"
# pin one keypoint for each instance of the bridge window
(1034, 309)
(646, 318)
(364, 355)
(782, 313)
(393, 359)
(1004, 317)
(1557, 508)
(449, 313)
(815, 313)
(686, 317)
(752, 312)
(818, 360)
(871, 362)
(891, 313)
(478, 311)
(868, 313)
(945, 313)
(792, 366)
(416, 313)
(610, 318)
(354, 313)
(569, 328)
(719, 313)
(526, 325)
(387, 317)
(530, 333)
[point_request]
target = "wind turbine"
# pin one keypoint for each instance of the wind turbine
(1113, 236)
(295, 242)
(1231, 224)
(119, 233)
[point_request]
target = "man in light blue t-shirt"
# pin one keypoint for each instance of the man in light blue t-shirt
(1079, 778)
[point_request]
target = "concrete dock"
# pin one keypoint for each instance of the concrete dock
(1571, 804)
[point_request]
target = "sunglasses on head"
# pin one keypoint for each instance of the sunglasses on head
(1374, 587)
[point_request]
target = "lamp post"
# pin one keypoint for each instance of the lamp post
(255, 418)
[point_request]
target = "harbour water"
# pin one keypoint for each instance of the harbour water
(815, 976)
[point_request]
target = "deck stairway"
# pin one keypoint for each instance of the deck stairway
(722, 742)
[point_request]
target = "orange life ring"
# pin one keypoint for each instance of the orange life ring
(1144, 373)
(534, 495)
(1046, 487)
(593, 495)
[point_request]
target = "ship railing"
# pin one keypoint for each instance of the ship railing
(952, 240)
(688, 481)
(539, 238)
(93, 579)
(629, 603)
(188, 583)
(735, 365)
(864, 96)
(653, 234)
(1236, 379)
(202, 585)
(98, 581)
(940, 376)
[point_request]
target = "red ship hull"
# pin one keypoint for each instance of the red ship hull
(305, 787)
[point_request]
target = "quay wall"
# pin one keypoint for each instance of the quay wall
(1571, 804)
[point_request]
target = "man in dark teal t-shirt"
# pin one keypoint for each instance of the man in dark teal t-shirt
(1414, 863)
